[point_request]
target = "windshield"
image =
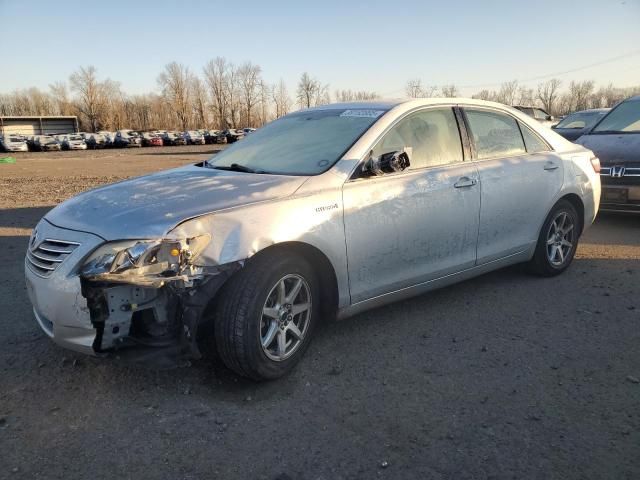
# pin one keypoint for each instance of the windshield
(75, 137)
(580, 120)
(302, 143)
(539, 114)
(625, 118)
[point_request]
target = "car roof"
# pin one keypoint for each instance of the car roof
(411, 103)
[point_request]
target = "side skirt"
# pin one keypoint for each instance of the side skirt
(434, 284)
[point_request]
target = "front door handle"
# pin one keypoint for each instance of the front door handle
(465, 182)
(550, 166)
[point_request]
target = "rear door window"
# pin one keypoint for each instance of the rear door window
(494, 134)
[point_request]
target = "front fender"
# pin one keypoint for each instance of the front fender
(239, 233)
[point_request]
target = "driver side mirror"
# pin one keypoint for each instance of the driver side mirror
(390, 162)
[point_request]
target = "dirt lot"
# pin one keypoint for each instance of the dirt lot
(505, 376)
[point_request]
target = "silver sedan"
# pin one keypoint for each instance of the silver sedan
(325, 212)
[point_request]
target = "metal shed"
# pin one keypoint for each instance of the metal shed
(44, 125)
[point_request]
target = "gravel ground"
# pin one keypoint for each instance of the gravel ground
(504, 376)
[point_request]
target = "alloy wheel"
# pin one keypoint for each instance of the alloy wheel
(285, 317)
(560, 238)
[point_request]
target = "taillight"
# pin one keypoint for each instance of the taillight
(595, 163)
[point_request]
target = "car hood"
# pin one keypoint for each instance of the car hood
(612, 148)
(152, 205)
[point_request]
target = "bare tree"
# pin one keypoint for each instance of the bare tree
(249, 81)
(483, 95)
(91, 94)
(579, 93)
(526, 96)
(311, 92)
(354, 95)
(281, 99)
(60, 95)
(216, 74)
(232, 96)
(508, 92)
(548, 93)
(450, 91)
(265, 93)
(307, 89)
(413, 89)
(199, 99)
(175, 81)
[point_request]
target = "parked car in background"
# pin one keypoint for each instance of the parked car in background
(13, 144)
(151, 140)
(615, 139)
(173, 139)
(31, 139)
(95, 141)
(73, 142)
(248, 131)
(44, 143)
(332, 210)
(214, 137)
(538, 113)
(575, 124)
(108, 137)
(127, 138)
(233, 135)
(193, 137)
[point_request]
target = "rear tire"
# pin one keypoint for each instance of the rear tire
(266, 315)
(557, 242)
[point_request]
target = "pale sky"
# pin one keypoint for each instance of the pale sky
(371, 45)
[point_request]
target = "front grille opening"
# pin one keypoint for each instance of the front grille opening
(45, 257)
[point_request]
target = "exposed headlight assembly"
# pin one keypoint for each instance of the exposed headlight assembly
(146, 262)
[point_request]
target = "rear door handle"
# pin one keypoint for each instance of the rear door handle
(550, 166)
(465, 182)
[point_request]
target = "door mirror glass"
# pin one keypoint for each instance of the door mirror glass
(390, 162)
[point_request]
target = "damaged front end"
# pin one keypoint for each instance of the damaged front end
(151, 293)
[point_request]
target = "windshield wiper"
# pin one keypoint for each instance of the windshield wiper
(236, 167)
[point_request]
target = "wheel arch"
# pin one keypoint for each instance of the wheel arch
(322, 265)
(577, 203)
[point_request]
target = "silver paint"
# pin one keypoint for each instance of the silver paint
(386, 238)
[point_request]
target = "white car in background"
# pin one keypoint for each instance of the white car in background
(539, 114)
(193, 137)
(73, 142)
(13, 144)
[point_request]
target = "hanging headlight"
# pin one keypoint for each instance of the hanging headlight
(145, 261)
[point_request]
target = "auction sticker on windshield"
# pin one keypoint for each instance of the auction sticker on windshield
(362, 113)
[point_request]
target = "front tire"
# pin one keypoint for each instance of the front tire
(557, 242)
(266, 315)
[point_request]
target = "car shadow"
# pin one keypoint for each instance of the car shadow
(483, 310)
(614, 229)
(23, 217)
(204, 152)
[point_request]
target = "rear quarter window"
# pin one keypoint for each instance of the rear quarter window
(533, 142)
